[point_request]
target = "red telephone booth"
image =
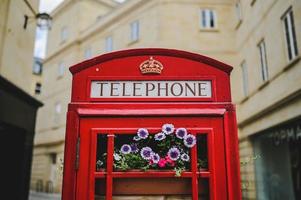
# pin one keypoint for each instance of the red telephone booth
(144, 95)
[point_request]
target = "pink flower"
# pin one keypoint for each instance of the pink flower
(162, 162)
(169, 161)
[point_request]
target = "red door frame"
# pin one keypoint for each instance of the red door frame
(197, 67)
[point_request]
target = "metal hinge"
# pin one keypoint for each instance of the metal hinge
(77, 154)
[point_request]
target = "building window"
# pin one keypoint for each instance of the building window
(263, 61)
(238, 11)
(278, 169)
(57, 112)
(64, 33)
(208, 19)
(53, 158)
(134, 31)
(38, 88)
(58, 108)
(37, 66)
(245, 79)
(290, 34)
(61, 69)
(88, 53)
(109, 44)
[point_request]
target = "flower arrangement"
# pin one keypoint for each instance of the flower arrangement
(168, 149)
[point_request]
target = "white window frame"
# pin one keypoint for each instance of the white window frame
(109, 44)
(245, 77)
(206, 16)
(135, 26)
(88, 53)
(64, 33)
(263, 60)
(61, 69)
(290, 35)
(37, 68)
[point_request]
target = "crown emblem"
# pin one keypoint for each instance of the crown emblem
(151, 66)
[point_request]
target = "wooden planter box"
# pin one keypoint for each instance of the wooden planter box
(153, 183)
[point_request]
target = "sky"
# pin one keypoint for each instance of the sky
(41, 35)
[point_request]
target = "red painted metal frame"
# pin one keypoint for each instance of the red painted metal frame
(78, 182)
(194, 174)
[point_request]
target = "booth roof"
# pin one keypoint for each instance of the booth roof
(152, 52)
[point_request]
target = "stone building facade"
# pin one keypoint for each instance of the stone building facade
(261, 39)
(18, 107)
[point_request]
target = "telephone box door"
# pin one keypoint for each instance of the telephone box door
(101, 136)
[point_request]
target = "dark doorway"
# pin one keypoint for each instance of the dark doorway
(12, 148)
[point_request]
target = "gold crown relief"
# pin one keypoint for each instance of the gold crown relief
(151, 66)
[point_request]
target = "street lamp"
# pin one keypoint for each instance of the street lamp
(43, 19)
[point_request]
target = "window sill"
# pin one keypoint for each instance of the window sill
(253, 2)
(239, 22)
(59, 77)
(133, 42)
(209, 30)
(63, 42)
(244, 99)
(263, 85)
(292, 63)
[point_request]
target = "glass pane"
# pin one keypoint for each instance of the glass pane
(202, 151)
(100, 189)
(101, 152)
(204, 189)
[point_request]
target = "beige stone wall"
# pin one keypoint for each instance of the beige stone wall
(43, 168)
(268, 102)
(17, 43)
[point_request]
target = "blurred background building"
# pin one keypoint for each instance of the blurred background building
(18, 106)
(261, 39)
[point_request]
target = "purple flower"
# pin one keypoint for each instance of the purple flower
(160, 136)
(189, 140)
(155, 158)
(146, 153)
(168, 129)
(134, 148)
(125, 149)
(185, 157)
(142, 133)
(174, 153)
(181, 133)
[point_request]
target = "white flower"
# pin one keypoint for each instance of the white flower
(181, 133)
(142, 133)
(168, 129)
(146, 153)
(155, 158)
(125, 149)
(136, 138)
(116, 156)
(185, 157)
(160, 136)
(174, 153)
(189, 140)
